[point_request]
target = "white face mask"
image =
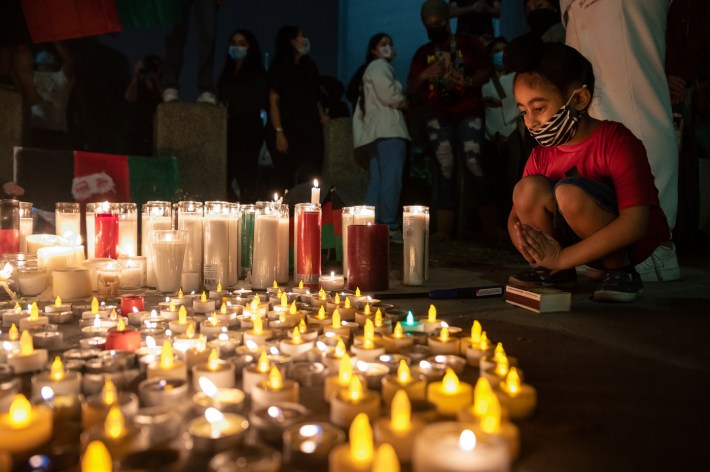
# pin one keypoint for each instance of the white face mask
(306, 48)
(387, 52)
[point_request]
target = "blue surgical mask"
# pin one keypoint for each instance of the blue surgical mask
(306, 48)
(387, 52)
(237, 52)
(498, 59)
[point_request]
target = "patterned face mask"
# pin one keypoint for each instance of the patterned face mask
(560, 128)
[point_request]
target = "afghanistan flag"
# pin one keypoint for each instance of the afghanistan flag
(332, 229)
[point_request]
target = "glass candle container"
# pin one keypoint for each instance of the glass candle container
(216, 244)
(266, 233)
(106, 217)
(355, 215)
(169, 247)
(282, 245)
(190, 220)
(9, 226)
(247, 237)
(157, 215)
(235, 221)
(25, 224)
(67, 219)
(415, 230)
(307, 244)
(132, 271)
(128, 229)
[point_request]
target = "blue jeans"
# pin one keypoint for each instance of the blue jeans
(452, 140)
(387, 157)
(205, 15)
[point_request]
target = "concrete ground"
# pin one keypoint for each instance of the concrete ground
(620, 386)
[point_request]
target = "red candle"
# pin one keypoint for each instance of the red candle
(308, 244)
(126, 340)
(106, 231)
(9, 241)
(368, 257)
(128, 302)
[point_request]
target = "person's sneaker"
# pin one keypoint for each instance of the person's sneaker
(171, 95)
(662, 266)
(619, 285)
(541, 277)
(207, 97)
(396, 237)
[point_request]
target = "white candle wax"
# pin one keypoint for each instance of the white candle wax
(90, 220)
(282, 249)
(168, 257)
(52, 258)
(127, 235)
(415, 230)
(216, 250)
(332, 282)
(235, 223)
(71, 283)
(37, 241)
(148, 225)
(265, 260)
(67, 224)
(192, 223)
(25, 230)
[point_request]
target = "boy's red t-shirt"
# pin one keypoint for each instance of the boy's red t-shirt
(612, 155)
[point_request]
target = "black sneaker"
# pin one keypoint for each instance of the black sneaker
(620, 285)
(541, 277)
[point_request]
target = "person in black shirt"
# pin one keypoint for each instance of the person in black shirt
(475, 17)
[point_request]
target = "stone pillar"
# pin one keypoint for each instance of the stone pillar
(13, 127)
(195, 133)
(339, 167)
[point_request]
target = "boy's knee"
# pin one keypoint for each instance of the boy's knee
(571, 200)
(530, 191)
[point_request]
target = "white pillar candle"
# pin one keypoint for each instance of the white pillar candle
(415, 230)
(265, 260)
(71, 283)
(216, 244)
(132, 271)
(190, 219)
(67, 221)
(31, 281)
(25, 224)
(127, 230)
(52, 258)
(90, 219)
(356, 215)
(235, 220)
(156, 216)
(36, 241)
(282, 246)
(169, 249)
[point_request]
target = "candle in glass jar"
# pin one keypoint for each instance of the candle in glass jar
(415, 231)
(235, 219)
(157, 215)
(266, 233)
(127, 230)
(190, 220)
(307, 244)
(67, 216)
(216, 244)
(106, 230)
(24, 427)
(368, 257)
(282, 244)
(247, 236)
(356, 215)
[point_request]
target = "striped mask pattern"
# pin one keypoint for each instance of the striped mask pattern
(560, 128)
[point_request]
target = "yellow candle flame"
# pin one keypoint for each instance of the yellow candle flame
(56, 371)
(26, 344)
(284, 300)
(431, 316)
(96, 458)
(361, 443)
(386, 459)
(190, 332)
(279, 293)
(275, 285)
(357, 291)
(255, 304)
(450, 382)
(398, 332)
(20, 413)
(502, 367)
(347, 303)
(94, 306)
(401, 412)
(203, 297)
(34, 312)
(300, 284)
(485, 344)
(335, 319)
(378, 318)
(322, 295)
(213, 360)
(476, 331)
(115, 423)
(182, 315)
(368, 341)
(13, 334)
(296, 338)
(321, 313)
(345, 370)
(404, 375)
(467, 440)
(121, 325)
(340, 349)
(444, 334)
(367, 310)
(258, 325)
(512, 382)
(482, 396)
(166, 356)
(223, 309)
(355, 389)
(219, 287)
(302, 326)
(109, 394)
(113, 315)
(499, 352)
(180, 294)
(282, 317)
(18, 308)
(212, 319)
(58, 301)
(201, 343)
(276, 380)
(292, 310)
(490, 421)
(263, 365)
(336, 299)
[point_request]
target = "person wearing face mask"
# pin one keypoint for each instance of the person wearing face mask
(296, 113)
(447, 75)
(587, 196)
(379, 127)
(243, 88)
(475, 17)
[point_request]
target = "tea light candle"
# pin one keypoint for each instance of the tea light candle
(411, 324)
(226, 342)
(369, 350)
(336, 326)
(332, 359)
(490, 362)
(167, 367)
(274, 390)
(28, 359)
(218, 293)
(163, 391)
(96, 329)
(24, 427)
(518, 398)
(252, 375)
(353, 400)
(451, 447)
(59, 380)
(171, 311)
(10, 317)
(203, 305)
(347, 310)
(296, 346)
(122, 338)
(443, 343)
(396, 341)
(307, 373)
(94, 342)
(307, 333)
(307, 445)
(430, 323)
(403, 380)
(373, 372)
(258, 334)
(197, 354)
(94, 309)
(129, 302)
(362, 315)
(95, 408)
(33, 320)
(320, 319)
(181, 325)
(399, 429)
(382, 326)
(450, 395)
(478, 348)
(58, 306)
(50, 340)
(356, 456)
(301, 289)
(219, 372)
(120, 438)
(216, 432)
(442, 361)
(60, 317)
(223, 399)
(332, 282)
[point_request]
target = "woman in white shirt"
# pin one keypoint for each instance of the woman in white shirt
(378, 123)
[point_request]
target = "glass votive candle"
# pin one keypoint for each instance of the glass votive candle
(307, 445)
(271, 421)
(31, 281)
(129, 302)
(108, 281)
(133, 271)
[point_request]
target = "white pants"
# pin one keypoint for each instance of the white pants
(625, 42)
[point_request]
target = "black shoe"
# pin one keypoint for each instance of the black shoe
(533, 278)
(619, 285)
